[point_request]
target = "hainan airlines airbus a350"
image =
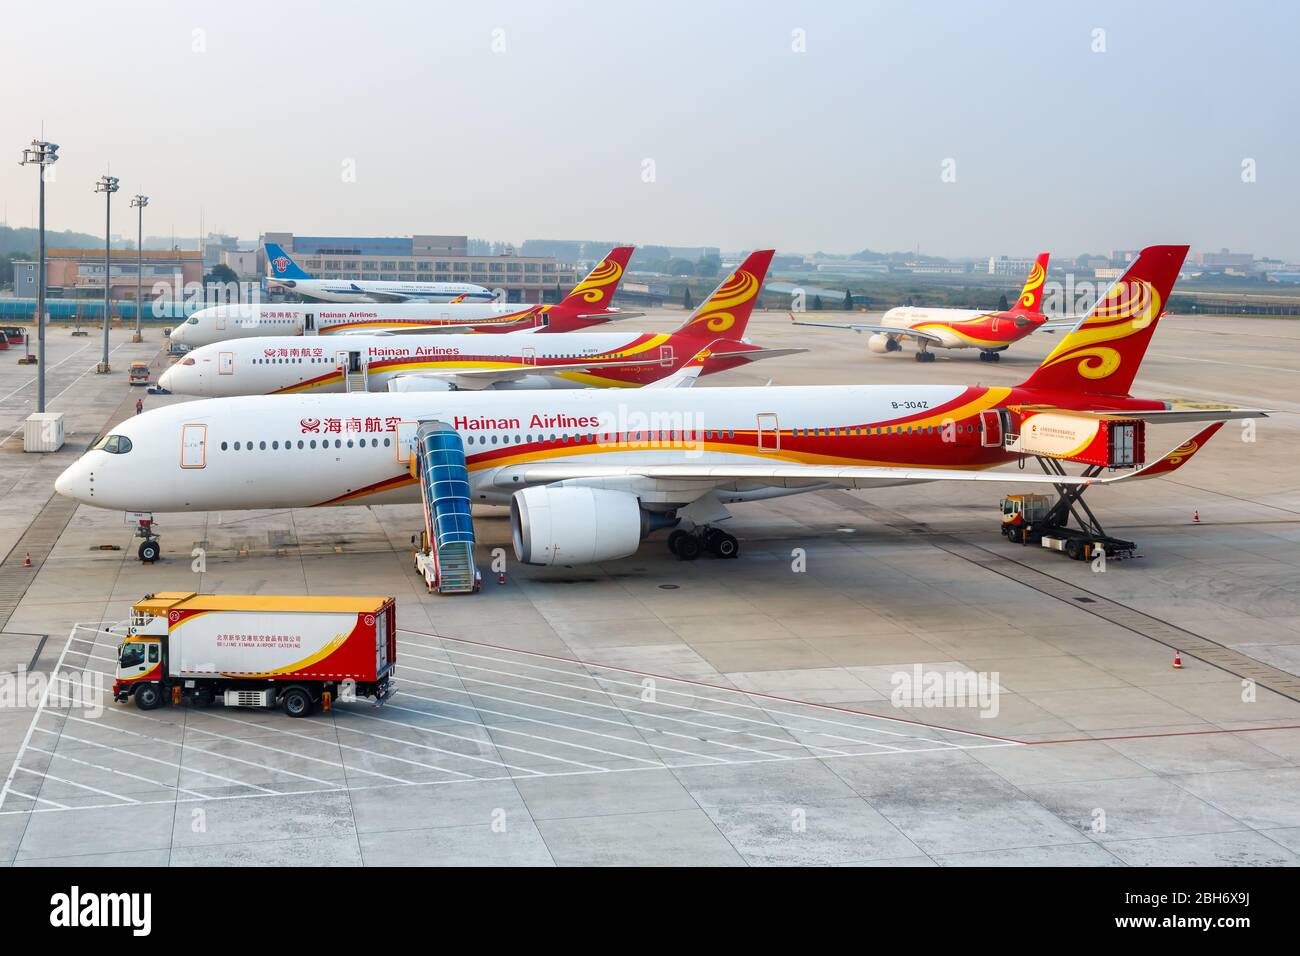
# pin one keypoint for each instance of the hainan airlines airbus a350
(287, 274)
(990, 332)
(586, 305)
(276, 365)
(588, 473)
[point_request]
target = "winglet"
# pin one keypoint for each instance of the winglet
(1173, 460)
(685, 376)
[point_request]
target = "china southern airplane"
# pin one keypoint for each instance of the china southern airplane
(587, 304)
(275, 365)
(990, 332)
(588, 474)
(287, 274)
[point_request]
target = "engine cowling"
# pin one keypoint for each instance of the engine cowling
(880, 343)
(574, 525)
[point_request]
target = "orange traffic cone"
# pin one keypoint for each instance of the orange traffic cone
(1178, 661)
(27, 559)
(1196, 517)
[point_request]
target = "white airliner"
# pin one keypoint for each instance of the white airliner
(287, 274)
(587, 304)
(589, 473)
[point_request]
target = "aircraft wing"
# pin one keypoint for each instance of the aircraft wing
(379, 296)
(1060, 325)
(753, 355)
(785, 474)
(481, 378)
(873, 329)
(613, 316)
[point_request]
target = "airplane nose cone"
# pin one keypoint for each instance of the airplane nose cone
(165, 379)
(66, 483)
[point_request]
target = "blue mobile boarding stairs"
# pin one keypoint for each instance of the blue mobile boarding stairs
(446, 558)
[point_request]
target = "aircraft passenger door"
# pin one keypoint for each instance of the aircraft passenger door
(341, 359)
(406, 441)
(221, 322)
(194, 439)
(225, 363)
(996, 319)
(309, 324)
(769, 432)
(530, 356)
(993, 427)
(666, 357)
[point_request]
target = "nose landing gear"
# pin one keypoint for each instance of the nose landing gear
(150, 550)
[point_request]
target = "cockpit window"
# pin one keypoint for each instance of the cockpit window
(188, 360)
(113, 444)
(192, 320)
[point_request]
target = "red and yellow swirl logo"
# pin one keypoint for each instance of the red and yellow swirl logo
(718, 313)
(1129, 308)
(1185, 450)
(593, 288)
(1035, 282)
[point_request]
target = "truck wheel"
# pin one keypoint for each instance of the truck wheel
(297, 702)
(1072, 550)
(148, 696)
(149, 552)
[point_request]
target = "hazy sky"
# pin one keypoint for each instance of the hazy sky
(515, 120)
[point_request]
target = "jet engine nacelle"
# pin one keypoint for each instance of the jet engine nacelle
(574, 525)
(880, 343)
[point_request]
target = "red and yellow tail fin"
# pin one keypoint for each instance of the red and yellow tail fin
(1102, 355)
(727, 310)
(597, 290)
(1031, 296)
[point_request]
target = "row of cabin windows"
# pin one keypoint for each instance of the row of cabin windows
(307, 443)
(331, 360)
(566, 438)
(878, 430)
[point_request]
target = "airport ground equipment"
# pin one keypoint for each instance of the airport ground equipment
(446, 557)
(138, 374)
(295, 651)
(1052, 436)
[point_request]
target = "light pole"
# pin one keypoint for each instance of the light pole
(41, 154)
(138, 202)
(107, 185)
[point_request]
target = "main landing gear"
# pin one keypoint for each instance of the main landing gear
(987, 355)
(924, 355)
(689, 545)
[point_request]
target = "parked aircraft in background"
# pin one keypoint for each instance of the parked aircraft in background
(990, 332)
(277, 365)
(287, 274)
(586, 305)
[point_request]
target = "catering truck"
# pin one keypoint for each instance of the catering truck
(294, 651)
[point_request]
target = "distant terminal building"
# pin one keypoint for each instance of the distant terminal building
(1225, 261)
(424, 258)
(79, 273)
(1009, 266)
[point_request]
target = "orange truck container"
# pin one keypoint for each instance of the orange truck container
(294, 651)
